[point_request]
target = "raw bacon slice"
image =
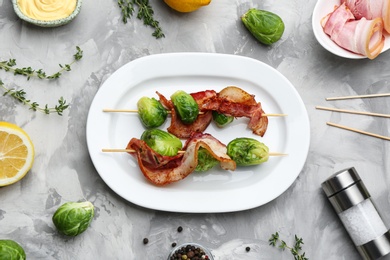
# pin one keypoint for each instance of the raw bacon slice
(359, 36)
(370, 9)
(162, 170)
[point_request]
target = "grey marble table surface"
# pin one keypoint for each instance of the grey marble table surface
(63, 170)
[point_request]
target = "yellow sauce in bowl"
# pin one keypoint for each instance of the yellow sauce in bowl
(47, 10)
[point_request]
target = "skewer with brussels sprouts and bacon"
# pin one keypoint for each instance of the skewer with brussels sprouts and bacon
(194, 112)
(163, 159)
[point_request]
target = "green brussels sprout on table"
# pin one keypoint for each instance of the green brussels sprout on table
(185, 106)
(247, 151)
(265, 26)
(151, 112)
(222, 120)
(73, 218)
(10, 250)
(162, 142)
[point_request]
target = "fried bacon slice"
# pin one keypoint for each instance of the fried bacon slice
(177, 127)
(231, 101)
(162, 170)
(238, 103)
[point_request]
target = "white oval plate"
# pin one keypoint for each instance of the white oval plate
(323, 8)
(216, 190)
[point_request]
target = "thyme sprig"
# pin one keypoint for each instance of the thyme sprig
(30, 72)
(295, 249)
(145, 13)
(20, 95)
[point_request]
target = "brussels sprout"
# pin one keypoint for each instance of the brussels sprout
(247, 151)
(222, 120)
(265, 26)
(10, 250)
(151, 112)
(162, 142)
(73, 218)
(185, 106)
(205, 160)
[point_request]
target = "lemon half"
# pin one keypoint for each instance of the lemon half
(186, 6)
(16, 153)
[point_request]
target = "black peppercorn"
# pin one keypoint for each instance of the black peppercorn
(180, 229)
(145, 241)
(248, 249)
(174, 244)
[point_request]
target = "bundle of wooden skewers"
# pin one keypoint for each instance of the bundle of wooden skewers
(357, 113)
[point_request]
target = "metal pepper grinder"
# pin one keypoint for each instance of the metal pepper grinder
(352, 202)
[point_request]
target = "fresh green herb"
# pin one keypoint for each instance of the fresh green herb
(30, 72)
(295, 249)
(127, 8)
(145, 13)
(20, 95)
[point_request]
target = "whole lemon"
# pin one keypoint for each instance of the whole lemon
(186, 6)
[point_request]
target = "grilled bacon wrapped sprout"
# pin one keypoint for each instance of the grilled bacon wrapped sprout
(162, 170)
(186, 106)
(151, 112)
(247, 151)
(162, 142)
(205, 160)
(222, 120)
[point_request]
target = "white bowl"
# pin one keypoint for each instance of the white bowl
(43, 23)
(322, 8)
(208, 253)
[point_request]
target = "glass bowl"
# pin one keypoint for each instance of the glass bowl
(191, 250)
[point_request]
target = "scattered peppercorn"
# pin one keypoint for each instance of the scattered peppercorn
(145, 241)
(248, 249)
(174, 244)
(180, 229)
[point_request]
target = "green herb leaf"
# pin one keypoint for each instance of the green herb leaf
(20, 95)
(295, 249)
(30, 72)
(145, 13)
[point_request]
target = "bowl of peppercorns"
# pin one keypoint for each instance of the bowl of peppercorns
(190, 251)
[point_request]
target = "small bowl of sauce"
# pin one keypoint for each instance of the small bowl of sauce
(47, 13)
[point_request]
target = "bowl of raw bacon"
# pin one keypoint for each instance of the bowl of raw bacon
(354, 29)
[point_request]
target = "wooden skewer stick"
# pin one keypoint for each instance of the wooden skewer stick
(136, 111)
(111, 150)
(359, 96)
(359, 131)
(353, 112)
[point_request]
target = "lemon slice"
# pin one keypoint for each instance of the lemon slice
(186, 6)
(16, 153)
